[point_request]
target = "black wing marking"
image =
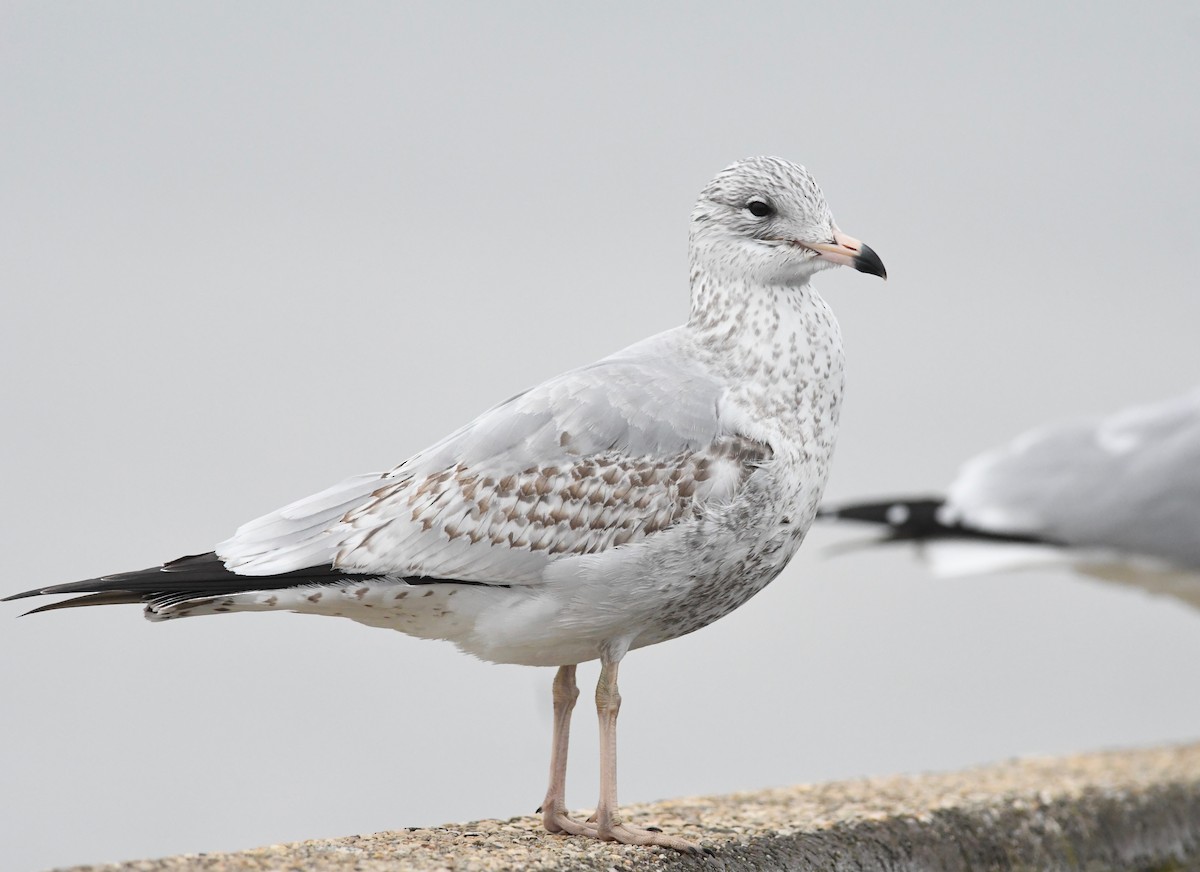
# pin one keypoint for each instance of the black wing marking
(919, 519)
(197, 575)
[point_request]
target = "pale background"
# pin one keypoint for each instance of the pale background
(249, 249)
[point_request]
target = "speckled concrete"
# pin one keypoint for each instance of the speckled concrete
(1129, 810)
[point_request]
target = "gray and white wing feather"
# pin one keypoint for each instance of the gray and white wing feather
(1129, 482)
(598, 457)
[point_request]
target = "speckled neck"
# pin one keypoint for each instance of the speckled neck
(780, 345)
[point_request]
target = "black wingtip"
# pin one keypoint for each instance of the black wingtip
(905, 518)
(200, 575)
(37, 591)
(107, 598)
(918, 519)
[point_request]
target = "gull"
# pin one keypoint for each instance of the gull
(1115, 498)
(618, 505)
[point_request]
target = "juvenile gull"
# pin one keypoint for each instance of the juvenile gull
(1117, 498)
(618, 505)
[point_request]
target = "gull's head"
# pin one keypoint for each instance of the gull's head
(764, 218)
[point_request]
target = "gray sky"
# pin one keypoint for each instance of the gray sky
(248, 250)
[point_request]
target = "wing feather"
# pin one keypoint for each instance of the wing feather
(1129, 481)
(596, 458)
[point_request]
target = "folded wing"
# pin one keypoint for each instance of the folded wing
(599, 457)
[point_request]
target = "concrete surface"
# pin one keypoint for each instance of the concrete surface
(1124, 810)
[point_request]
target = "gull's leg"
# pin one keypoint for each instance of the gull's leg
(554, 807)
(608, 704)
(604, 824)
(608, 826)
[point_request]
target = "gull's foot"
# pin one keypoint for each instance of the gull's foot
(627, 835)
(557, 821)
(560, 822)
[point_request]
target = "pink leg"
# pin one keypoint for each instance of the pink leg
(604, 824)
(554, 807)
(608, 825)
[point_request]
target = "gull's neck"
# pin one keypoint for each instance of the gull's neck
(779, 346)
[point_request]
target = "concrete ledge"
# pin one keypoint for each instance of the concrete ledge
(1127, 810)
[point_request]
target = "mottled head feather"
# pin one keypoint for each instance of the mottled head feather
(727, 235)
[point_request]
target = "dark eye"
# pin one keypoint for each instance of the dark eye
(759, 208)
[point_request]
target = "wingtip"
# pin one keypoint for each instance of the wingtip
(839, 549)
(45, 608)
(898, 513)
(37, 591)
(104, 598)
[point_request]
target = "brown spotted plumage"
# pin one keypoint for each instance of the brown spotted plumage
(615, 506)
(596, 503)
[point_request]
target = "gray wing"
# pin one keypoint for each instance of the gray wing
(596, 458)
(1129, 483)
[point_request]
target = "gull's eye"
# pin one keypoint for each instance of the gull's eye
(759, 208)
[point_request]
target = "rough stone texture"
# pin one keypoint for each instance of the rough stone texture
(1128, 810)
